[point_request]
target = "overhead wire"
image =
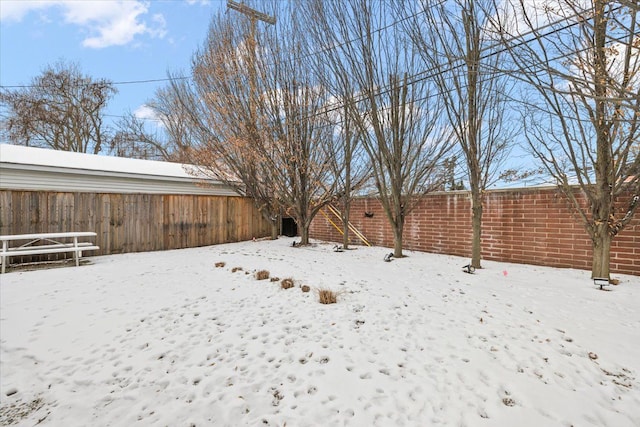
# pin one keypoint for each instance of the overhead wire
(413, 79)
(315, 53)
(168, 79)
(439, 69)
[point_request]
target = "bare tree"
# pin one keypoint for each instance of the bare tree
(294, 103)
(220, 109)
(350, 165)
(167, 137)
(351, 168)
(133, 139)
(393, 108)
(581, 61)
(259, 115)
(460, 54)
(62, 109)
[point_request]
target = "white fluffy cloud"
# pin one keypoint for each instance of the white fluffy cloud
(15, 10)
(145, 112)
(107, 23)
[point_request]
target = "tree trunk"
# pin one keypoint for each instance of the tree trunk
(397, 240)
(601, 251)
(304, 233)
(273, 222)
(476, 222)
(346, 208)
(603, 167)
(275, 229)
(345, 224)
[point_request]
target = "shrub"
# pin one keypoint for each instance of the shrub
(286, 283)
(327, 296)
(220, 264)
(275, 279)
(262, 275)
(305, 288)
(234, 269)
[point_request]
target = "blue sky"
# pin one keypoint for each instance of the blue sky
(119, 40)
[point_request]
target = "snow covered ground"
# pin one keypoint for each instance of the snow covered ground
(167, 338)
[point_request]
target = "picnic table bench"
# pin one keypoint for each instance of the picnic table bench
(45, 243)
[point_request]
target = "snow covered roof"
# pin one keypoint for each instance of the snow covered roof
(31, 168)
(18, 154)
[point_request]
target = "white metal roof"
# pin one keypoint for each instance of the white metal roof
(31, 168)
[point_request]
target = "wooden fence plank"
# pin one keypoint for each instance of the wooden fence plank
(132, 222)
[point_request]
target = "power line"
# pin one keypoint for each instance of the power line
(347, 42)
(168, 79)
(415, 78)
(440, 70)
(127, 82)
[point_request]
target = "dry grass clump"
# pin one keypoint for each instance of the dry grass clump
(327, 296)
(18, 410)
(275, 279)
(234, 269)
(305, 288)
(286, 283)
(262, 275)
(220, 264)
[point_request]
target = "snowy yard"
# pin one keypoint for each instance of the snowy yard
(167, 338)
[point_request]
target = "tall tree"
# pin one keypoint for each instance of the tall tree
(349, 164)
(393, 106)
(460, 52)
(62, 109)
(581, 61)
(220, 109)
(294, 103)
(260, 114)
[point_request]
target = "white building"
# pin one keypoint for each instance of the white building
(40, 169)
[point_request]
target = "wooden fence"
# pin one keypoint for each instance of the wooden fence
(133, 222)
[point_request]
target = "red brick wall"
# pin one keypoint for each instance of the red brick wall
(530, 226)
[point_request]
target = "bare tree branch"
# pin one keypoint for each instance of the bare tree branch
(583, 114)
(400, 130)
(455, 40)
(62, 109)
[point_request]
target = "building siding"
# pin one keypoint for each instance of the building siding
(14, 177)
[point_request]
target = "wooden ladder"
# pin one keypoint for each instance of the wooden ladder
(353, 229)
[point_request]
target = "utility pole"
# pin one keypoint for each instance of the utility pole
(251, 13)
(254, 16)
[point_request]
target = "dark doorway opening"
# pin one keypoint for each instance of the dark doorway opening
(289, 227)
